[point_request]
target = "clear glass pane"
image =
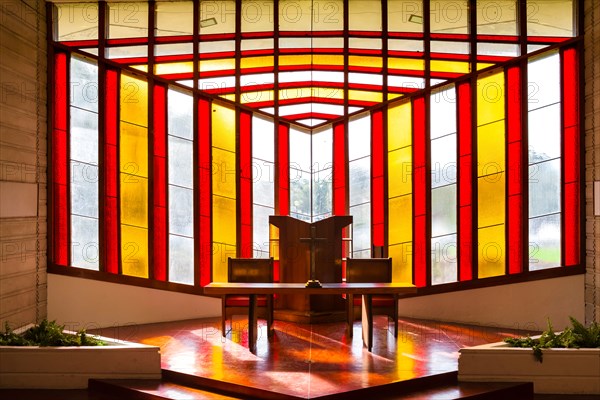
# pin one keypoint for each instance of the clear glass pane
(544, 188)
(263, 178)
(84, 136)
(443, 161)
(174, 18)
(76, 21)
(173, 48)
(84, 84)
(85, 244)
(181, 114)
(300, 192)
(496, 17)
(181, 211)
(444, 259)
(263, 142)
(300, 150)
(322, 149)
(498, 49)
(322, 192)
(359, 137)
(543, 81)
(181, 158)
(544, 133)
(84, 189)
(181, 260)
(443, 112)
(361, 227)
(360, 181)
(438, 46)
(449, 16)
(127, 20)
(443, 210)
(544, 242)
(261, 227)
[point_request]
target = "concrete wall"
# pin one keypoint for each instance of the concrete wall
(23, 160)
(592, 157)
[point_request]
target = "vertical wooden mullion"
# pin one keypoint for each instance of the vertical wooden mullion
(198, 189)
(102, 178)
(474, 182)
(150, 150)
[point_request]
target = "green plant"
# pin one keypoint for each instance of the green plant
(577, 336)
(47, 334)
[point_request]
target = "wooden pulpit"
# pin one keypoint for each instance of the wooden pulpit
(295, 266)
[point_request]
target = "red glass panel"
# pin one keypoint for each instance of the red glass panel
(420, 251)
(203, 188)
(465, 182)
(159, 182)
(60, 178)
(339, 169)
(420, 239)
(245, 174)
(111, 174)
(377, 171)
(571, 224)
(283, 169)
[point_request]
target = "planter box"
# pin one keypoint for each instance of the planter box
(564, 371)
(71, 367)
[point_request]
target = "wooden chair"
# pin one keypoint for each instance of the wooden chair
(248, 270)
(375, 270)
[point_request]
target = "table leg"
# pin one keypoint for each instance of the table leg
(367, 321)
(252, 323)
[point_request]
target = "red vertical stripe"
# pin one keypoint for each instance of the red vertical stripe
(111, 173)
(571, 156)
(465, 186)
(339, 169)
(515, 170)
(203, 187)
(245, 174)
(60, 178)
(159, 182)
(419, 193)
(377, 175)
(283, 168)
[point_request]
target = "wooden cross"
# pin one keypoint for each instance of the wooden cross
(313, 239)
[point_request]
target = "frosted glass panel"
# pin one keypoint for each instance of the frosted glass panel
(359, 137)
(550, 18)
(544, 188)
(543, 81)
(128, 20)
(261, 227)
(217, 16)
(181, 259)
(322, 192)
(84, 84)
(134, 200)
(84, 189)
(449, 16)
(444, 259)
(360, 181)
(224, 173)
(181, 158)
(174, 18)
(544, 242)
(443, 161)
(405, 15)
(544, 133)
(85, 245)
(300, 150)
(322, 149)
(365, 15)
(443, 112)
(263, 142)
(76, 21)
(263, 178)
(496, 17)
(300, 182)
(443, 210)
(181, 211)
(361, 227)
(181, 114)
(84, 136)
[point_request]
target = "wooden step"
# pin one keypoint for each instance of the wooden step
(142, 389)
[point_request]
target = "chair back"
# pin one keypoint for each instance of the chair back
(365, 270)
(250, 270)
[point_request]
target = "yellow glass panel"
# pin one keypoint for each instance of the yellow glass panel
(224, 172)
(481, 66)
(217, 65)
(274, 242)
(401, 255)
(365, 95)
(450, 66)
(134, 149)
(364, 61)
(134, 251)
(295, 93)
(400, 171)
(492, 251)
(326, 59)
(134, 100)
(228, 96)
(392, 96)
(221, 251)
(490, 148)
(400, 219)
(294, 60)
(399, 125)
(223, 127)
(490, 98)
(254, 97)
(140, 67)
(224, 220)
(134, 200)
(491, 199)
(174, 68)
(406, 63)
(328, 93)
(257, 62)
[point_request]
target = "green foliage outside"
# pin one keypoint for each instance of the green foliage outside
(47, 334)
(577, 336)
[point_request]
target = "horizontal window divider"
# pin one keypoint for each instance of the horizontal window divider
(491, 226)
(84, 216)
(443, 186)
(181, 236)
(359, 204)
(191, 188)
(545, 215)
(545, 161)
(84, 109)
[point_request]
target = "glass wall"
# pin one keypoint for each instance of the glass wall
(263, 179)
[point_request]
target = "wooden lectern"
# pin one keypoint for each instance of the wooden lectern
(295, 267)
